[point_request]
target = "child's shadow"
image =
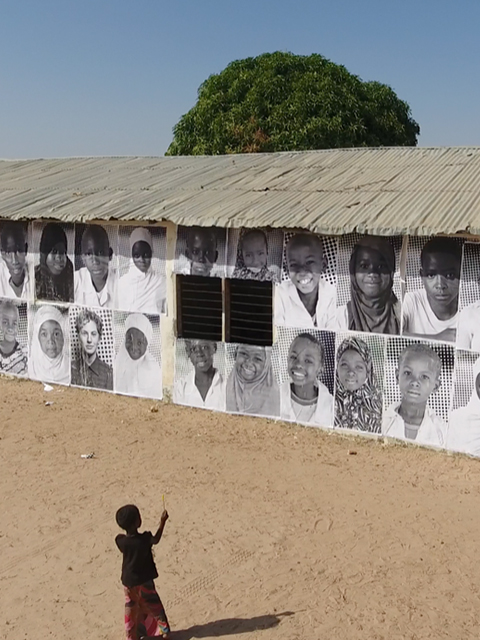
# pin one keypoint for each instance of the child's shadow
(230, 626)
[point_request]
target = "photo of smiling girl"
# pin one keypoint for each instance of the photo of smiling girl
(49, 355)
(358, 384)
(304, 397)
(54, 273)
(13, 338)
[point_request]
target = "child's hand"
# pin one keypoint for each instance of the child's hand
(164, 516)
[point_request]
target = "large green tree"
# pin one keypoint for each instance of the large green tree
(283, 102)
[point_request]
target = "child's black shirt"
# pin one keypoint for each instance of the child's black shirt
(138, 565)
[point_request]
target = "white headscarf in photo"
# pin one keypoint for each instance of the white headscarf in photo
(464, 428)
(142, 377)
(41, 366)
(138, 291)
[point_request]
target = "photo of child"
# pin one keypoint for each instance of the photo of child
(431, 312)
(91, 347)
(418, 373)
(200, 251)
(358, 383)
(49, 354)
(13, 338)
(468, 327)
(464, 424)
(255, 254)
(15, 279)
(306, 299)
(95, 272)
(54, 273)
(199, 374)
(251, 385)
(304, 396)
(373, 306)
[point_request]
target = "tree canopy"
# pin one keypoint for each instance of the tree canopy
(285, 102)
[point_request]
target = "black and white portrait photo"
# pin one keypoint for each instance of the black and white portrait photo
(95, 265)
(137, 370)
(49, 353)
(305, 365)
(91, 348)
(200, 251)
(430, 306)
(255, 254)
(369, 284)
(464, 424)
(200, 374)
(307, 294)
(53, 251)
(142, 285)
(16, 268)
(359, 382)
(468, 326)
(13, 337)
(251, 384)
(418, 384)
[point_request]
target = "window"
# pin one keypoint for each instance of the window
(249, 312)
(199, 307)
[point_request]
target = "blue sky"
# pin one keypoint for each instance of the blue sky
(112, 77)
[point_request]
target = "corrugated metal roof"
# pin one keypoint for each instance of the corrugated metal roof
(400, 190)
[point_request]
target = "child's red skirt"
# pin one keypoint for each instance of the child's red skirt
(144, 612)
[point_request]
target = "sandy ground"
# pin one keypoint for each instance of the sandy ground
(274, 531)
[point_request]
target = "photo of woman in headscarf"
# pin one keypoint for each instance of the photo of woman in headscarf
(464, 424)
(358, 398)
(54, 274)
(88, 370)
(251, 385)
(136, 370)
(142, 288)
(49, 353)
(373, 306)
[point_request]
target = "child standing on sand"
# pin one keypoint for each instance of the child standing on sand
(144, 612)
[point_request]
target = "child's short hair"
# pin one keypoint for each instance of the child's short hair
(15, 230)
(85, 316)
(440, 244)
(314, 340)
(205, 232)
(300, 239)
(127, 516)
(421, 349)
(94, 232)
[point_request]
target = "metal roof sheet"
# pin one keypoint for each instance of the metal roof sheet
(384, 191)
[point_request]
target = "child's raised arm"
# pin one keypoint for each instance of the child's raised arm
(158, 535)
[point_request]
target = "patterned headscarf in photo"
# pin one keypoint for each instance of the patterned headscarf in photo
(241, 271)
(360, 409)
(377, 315)
(260, 396)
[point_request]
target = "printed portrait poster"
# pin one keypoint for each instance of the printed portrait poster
(13, 337)
(432, 279)
(200, 374)
(16, 261)
(92, 349)
(96, 273)
(252, 388)
(53, 246)
(200, 251)
(137, 369)
(49, 352)
(369, 290)
(359, 382)
(464, 423)
(255, 254)
(468, 326)
(306, 296)
(304, 364)
(418, 387)
(142, 284)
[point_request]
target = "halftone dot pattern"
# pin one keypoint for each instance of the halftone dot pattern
(275, 250)
(330, 249)
(345, 248)
(159, 239)
(470, 276)
(181, 261)
(105, 349)
(22, 332)
(112, 233)
(464, 382)
(440, 400)
(183, 366)
(285, 337)
(119, 319)
(376, 347)
(414, 246)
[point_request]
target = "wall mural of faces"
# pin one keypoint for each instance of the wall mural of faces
(200, 251)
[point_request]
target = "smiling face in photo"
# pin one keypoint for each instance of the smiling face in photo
(136, 343)
(254, 251)
(305, 262)
(305, 362)
(9, 323)
(352, 370)
(250, 362)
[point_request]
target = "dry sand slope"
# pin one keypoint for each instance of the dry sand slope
(274, 531)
